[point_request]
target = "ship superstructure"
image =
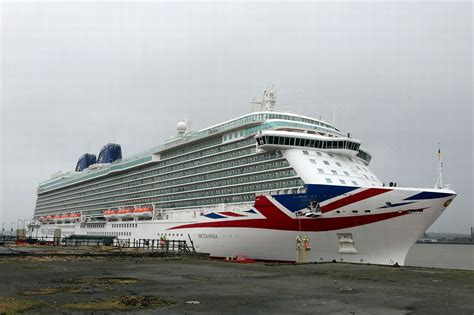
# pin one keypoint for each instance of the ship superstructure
(261, 179)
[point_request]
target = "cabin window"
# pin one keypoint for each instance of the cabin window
(320, 170)
(342, 181)
(334, 172)
(326, 162)
(312, 161)
(328, 180)
(306, 152)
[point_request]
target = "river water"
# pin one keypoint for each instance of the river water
(451, 256)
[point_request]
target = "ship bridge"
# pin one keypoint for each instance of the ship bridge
(320, 158)
(276, 139)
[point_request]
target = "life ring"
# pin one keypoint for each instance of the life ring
(162, 242)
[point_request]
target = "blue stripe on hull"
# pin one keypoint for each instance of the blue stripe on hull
(428, 195)
(320, 193)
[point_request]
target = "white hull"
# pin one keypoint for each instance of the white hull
(382, 236)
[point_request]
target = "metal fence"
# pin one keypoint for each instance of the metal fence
(152, 245)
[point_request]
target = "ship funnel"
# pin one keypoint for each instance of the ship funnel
(109, 153)
(85, 161)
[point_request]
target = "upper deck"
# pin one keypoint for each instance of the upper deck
(242, 126)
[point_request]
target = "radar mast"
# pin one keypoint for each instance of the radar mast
(268, 101)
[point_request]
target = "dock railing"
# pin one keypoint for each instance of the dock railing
(147, 245)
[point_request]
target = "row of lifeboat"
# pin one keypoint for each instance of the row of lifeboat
(144, 212)
(64, 217)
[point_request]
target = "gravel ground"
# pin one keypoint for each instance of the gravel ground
(186, 286)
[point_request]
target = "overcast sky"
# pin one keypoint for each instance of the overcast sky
(78, 75)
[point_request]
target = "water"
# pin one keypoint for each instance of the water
(452, 256)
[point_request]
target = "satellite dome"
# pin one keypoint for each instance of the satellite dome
(181, 126)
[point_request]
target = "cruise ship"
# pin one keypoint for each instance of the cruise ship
(268, 185)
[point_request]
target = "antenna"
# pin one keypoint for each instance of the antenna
(439, 182)
(333, 114)
(254, 102)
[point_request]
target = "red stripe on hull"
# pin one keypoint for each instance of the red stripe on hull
(231, 214)
(371, 192)
(277, 220)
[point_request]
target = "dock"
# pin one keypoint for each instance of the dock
(183, 284)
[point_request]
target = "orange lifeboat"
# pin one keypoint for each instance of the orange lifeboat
(110, 214)
(122, 213)
(76, 216)
(67, 217)
(143, 212)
